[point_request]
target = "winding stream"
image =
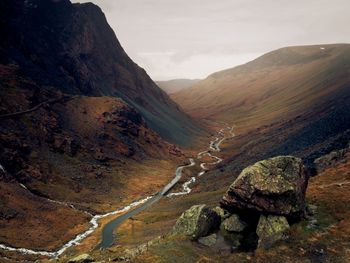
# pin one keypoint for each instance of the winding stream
(108, 229)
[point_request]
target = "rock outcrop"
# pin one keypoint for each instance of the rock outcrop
(275, 186)
(271, 229)
(233, 224)
(221, 212)
(330, 159)
(255, 210)
(196, 222)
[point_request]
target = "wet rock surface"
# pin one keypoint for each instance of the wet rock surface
(275, 185)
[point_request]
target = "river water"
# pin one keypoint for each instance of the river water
(108, 237)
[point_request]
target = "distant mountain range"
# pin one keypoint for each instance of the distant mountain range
(175, 85)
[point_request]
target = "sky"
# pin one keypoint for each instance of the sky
(194, 38)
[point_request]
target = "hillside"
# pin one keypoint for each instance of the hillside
(88, 141)
(175, 85)
(275, 86)
(72, 48)
(83, 131)
(294, 100)
(82, 151)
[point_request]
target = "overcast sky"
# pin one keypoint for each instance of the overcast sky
(194, 38)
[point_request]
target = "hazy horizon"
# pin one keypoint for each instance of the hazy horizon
(192, 39)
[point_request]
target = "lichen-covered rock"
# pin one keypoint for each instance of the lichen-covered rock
(234, 238)
(83, 258)
(271, 229)
(221, 212)
(208, 241)
(275, 185)
(196, 222)
(233, 224)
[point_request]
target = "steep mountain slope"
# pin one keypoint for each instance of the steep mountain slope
(72, 48)
(83, 129)
(294, 100)
(175, 85)
(275, 86)
(86, 151)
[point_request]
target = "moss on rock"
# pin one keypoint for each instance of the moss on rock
(198, 221)
(271, 229)
(276, 185)
(233, 224)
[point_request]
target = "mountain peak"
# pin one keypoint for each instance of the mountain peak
(72, 48)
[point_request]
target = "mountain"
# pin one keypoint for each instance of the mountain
(293, 100)
(71, 47)
(293, 77)
(84, 130)
(175, 85)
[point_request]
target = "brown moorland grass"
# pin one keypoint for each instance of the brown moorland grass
(327, 241)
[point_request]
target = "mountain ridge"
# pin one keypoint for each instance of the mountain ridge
(74, 50)
(94, 131)
(246, 87)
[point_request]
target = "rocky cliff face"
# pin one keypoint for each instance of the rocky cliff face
(72, 48)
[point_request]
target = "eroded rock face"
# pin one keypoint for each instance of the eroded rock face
(196, 222)
(271, 229)
(275, 186)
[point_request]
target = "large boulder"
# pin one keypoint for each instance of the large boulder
(271, 229)
(275, 186)
(196, 222)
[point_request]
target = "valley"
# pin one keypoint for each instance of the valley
(108, 237)
(100, 163)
